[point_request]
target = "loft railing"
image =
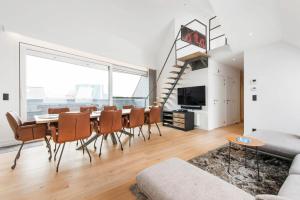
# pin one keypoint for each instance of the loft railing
(212, 29)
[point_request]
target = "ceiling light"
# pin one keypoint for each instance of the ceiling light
(250, 34)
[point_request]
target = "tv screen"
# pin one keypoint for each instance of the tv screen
(192, 96)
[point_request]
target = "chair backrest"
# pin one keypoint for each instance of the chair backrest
(117, 121)
(106, 108)
(155, 115)
(128, 106)
(58, 110)
(14, 122)
(136, 117)
(73, 126)
(106, 121)
(88, 109)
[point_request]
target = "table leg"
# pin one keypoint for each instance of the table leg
(245, 157)
(229, 159)
(257, 163)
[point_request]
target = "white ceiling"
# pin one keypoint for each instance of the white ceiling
(140, 22)
(253, 23)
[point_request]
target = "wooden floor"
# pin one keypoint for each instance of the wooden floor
(108, 177)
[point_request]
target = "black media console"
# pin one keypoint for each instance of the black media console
(182, 120)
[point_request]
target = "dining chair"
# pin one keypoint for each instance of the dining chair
(71, 127)
(88, 109)
(106, 108)
(57, 111)
(128, 106)
(107, 125)
(136, 119)
(154, 117)
(25, 132)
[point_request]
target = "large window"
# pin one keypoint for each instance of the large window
(51, 83)
(55, 79)
(130, 88)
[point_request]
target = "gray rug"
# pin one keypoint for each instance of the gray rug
(273, 170)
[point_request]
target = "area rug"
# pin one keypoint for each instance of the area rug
(273, 170)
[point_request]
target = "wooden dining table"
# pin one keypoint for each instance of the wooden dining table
(50, 118)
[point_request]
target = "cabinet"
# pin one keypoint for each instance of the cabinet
(182, 120)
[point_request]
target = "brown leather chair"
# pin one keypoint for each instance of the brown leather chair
(71, 127)
(154, 117)
(110, 121)
(106, 108)
(25, 132)
(58, 110)
(88, 109)
(136, 119)
(128, 106)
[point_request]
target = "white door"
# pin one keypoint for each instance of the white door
(232, 101)
(219, 106)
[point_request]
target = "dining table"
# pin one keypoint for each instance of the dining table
(52, 118)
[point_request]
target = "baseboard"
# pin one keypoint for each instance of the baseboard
(9, 143)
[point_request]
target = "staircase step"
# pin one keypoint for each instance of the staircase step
(169, 83)
(193, 56)
(174, 78)
(177, 66)
(176, 72)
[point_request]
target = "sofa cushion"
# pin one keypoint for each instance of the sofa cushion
(295, 167)
(279, 143)
(291, 187)
(269, 197)
(175, 179)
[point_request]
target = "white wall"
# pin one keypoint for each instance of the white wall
(276, 68)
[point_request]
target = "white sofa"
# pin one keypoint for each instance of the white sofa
(175, 179)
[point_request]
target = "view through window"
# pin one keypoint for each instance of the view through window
(130, 89)
(51, 83)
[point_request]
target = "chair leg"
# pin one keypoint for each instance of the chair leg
(149, 131)
(101, 145)
(56, 152)
(88, 152)
(133, 132)
(158, 129)
(17, 156)
(141, 131)
(82, 146)
(120, 140)
(95, 143)
(49, 148)
(62, 150)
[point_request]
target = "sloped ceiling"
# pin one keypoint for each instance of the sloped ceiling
(254, 23)
(140, 22)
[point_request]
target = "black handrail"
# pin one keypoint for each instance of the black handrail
(214, 28)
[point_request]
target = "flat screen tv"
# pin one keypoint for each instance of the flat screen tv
(191, 96)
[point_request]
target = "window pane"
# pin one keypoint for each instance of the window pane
(129, 89)
(53, 83)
